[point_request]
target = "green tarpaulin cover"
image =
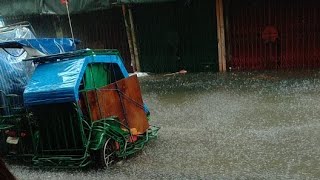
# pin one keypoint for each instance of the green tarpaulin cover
(29, 7)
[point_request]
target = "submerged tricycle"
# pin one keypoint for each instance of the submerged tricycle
(78, 108)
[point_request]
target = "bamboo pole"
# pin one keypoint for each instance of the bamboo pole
(221, 36)
(129, 36)
(134, 41)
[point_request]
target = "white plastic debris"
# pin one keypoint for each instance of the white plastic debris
(139, 74)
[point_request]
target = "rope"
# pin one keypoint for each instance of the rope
(70, 24)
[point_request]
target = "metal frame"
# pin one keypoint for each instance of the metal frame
(63, 137)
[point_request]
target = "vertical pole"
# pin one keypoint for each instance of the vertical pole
(218, 33)
(221, 36)
(134, 42)
(67, 6)
(227, 31)
(124, 12)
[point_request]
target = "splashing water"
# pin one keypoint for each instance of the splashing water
(223, 126)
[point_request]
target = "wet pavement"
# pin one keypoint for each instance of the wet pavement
(222, 126)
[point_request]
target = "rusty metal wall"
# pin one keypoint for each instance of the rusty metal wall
(100, 29)
(272, 34)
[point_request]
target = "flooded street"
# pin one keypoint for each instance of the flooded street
(222, 126)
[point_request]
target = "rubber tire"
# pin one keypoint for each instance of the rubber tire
(106, 155)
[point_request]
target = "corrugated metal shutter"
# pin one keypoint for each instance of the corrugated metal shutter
(293, 24)
(185, 29)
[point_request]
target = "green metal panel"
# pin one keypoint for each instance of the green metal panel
(177, 35)
(59, 129)
(96, 76)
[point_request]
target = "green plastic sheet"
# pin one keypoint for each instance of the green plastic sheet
(32, 7)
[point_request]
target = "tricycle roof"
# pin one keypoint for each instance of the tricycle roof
(57, 77)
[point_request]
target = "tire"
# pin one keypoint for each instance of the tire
(106, 155)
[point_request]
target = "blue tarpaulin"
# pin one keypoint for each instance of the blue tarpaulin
(59, 81)
(44, 45)
(14, 72)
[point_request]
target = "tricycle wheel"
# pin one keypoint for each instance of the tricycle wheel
(107, 154)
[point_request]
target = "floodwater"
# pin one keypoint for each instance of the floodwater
(222, 126)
